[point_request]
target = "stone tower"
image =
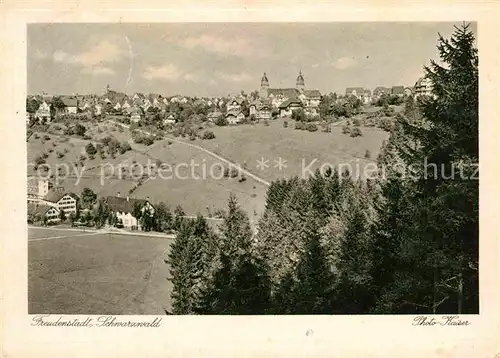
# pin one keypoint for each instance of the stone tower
(264, 86)
(300, 82)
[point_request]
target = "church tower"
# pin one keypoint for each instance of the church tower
(300, 82)
(264, 86)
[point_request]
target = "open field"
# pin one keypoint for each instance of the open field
(95, 273)
(245, 144)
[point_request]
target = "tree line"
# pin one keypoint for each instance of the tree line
(330, 244)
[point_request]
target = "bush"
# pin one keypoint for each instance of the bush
(346, 129)
(327, 129)
(60, 155)
(125, 147)
(46, 137)
(311, 127)
(356, 122)
(39, 161)
(208, 135)
(356, 132)
(148, 140)
(285, 124)
(221, 121)
(299, 125)
(368, 155)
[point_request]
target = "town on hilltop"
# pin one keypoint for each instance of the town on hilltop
(266, 103)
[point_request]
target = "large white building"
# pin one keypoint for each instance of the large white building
(423, 87)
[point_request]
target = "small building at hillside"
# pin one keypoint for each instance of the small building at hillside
(135, 115)
(61, 200)
(71, 104)
(123, 208)
(43, 112)
(287, 107)
(235, 117)
(43, 213)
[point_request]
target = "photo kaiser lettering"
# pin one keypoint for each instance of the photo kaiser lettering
(440, 321)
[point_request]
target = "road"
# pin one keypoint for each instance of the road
(222, 159)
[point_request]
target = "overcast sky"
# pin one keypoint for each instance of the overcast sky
(219, 58)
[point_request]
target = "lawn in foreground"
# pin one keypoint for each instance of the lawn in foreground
(98, 274)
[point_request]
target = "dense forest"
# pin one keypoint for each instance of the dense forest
(404, 242)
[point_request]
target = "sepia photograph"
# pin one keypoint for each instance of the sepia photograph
(249, 168)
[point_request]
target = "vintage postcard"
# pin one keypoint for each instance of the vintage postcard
(250, 183)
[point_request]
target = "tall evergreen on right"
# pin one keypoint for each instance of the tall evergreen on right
(427, 237)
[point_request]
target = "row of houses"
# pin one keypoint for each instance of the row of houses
(423, 87)
(46, 201)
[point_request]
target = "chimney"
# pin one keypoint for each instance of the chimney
(118, 195)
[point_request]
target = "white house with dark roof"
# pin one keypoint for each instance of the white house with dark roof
(61, 200)
(37, 212)
(71, 104)
(123, 208)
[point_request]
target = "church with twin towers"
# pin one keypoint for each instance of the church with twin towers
(309, 98)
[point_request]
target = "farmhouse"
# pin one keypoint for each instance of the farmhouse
(235, 104)
(235, 116)
(379, 91)
(43, 112)
(135, 115)
(398, 91)
(61, 200)
(42, 212)
(71, 104)
(260, 110)
(124, 210)
(287, 107)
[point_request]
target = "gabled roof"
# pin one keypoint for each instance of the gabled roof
(124, 205)
(359, 90)
(54, 196)
(285, 92)
(287, 103)
(312, 93)
(233, 112)
(398, 90)
(378, 90)
(39, 209)
(69, 102)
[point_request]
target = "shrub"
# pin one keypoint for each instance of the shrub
(356, 122)
(51, 150)
(90, 149)
(87, 137)
(226, 172)
(54, 144)
(60, 155)
(148, 140)
(311, 127)
(242, 178)
(368, 155)
(208, 135)
(346, 129)
(299, 125)
(327, 129)
(356, 132)
(234, 172)
(221, 121)
(45, 155)
(46, 137)
(285, 124)
(36, 136)
(39, 161)
(125, 147)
